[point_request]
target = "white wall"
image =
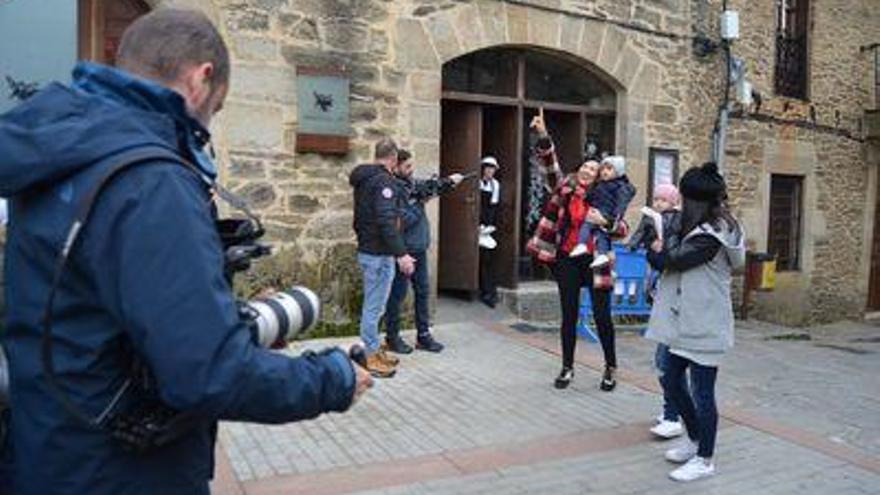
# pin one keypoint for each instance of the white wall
(38, 42)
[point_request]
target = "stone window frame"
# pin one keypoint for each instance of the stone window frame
(790, 243)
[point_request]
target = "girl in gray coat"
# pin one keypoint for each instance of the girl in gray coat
(693, 313)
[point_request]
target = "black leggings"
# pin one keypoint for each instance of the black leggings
(572, 274)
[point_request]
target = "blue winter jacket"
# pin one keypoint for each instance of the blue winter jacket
(146, 275)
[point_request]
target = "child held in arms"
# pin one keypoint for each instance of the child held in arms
(611, 196)
(664, 212)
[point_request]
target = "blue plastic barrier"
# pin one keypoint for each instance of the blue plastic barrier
(630, 294)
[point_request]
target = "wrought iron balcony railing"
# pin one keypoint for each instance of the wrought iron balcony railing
(791, 67)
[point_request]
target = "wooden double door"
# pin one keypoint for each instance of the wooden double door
(469, 132)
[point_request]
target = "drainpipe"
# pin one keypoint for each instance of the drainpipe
(719, 135)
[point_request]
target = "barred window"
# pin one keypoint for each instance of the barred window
(784, 236)
(792, 61)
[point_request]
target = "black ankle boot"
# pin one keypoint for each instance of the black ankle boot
(608, 381)
(398, 346)
(564, 379)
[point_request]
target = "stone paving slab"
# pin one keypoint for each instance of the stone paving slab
(482, 417)
(750, 463)
(484, 389)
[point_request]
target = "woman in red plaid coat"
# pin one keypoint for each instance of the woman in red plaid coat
(555, 236)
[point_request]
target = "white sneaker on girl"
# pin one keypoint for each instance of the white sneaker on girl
(696, 468)
(683, 452)
(668, 429)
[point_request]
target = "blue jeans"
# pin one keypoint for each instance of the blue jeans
(697, 406)
(601, 238)
(661, 361)
(421, 291)
(378, 272)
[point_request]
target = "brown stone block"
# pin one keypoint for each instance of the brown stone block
(627, 67)
(665, 114)
(425, 121)
(413, 47)
(443, 37)
(470, 31)
(330, 226)
(253, 126)
(340, 33)
(243, 168)
(255, 48)
(425, 86)
(571, 34)
(647, 17)
(591, 41)
(645, 85)
(494, 21)
(544, 28)
(517, 24)
(300, 203)
(612, 47)
(259, 195)
(245, 19)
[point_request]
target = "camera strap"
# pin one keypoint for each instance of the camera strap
(182, 422)
(124, 161)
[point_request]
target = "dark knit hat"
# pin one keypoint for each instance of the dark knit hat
(703, 183)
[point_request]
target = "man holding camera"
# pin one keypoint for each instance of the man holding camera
(143, 299)
(417, 238)
(377, 223)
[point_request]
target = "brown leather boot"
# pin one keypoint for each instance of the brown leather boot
(379, 368)
(390, 359)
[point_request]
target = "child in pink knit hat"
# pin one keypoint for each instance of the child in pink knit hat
(664, 209)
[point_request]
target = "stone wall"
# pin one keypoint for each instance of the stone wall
(394, 51)
(820, 141)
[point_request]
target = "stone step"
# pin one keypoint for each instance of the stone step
(533, 302)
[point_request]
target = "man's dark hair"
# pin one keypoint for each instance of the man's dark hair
(403, 155)
(163, 43)
(385, 148)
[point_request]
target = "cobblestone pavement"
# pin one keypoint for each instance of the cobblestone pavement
(798, 416)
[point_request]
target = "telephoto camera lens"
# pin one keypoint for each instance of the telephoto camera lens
(279, 318)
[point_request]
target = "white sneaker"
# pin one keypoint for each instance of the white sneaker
(579, 250)
(600, 260)
(683, 452)
(695, 469)
(658, 419)
(668, 429)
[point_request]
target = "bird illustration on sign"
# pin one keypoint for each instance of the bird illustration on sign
(322, 101)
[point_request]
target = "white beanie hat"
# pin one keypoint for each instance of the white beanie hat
(489, 161)
(616, 161)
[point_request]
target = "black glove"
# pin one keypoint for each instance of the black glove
(643, 236)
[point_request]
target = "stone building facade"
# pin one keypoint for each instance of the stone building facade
(665, 96)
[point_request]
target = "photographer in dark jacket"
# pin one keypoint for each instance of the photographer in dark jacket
(417, 237)
(377, 223)
(145, 281)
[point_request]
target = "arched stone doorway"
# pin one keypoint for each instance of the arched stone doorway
(488, 99)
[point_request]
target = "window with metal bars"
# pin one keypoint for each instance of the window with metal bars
(792, 26)
(784, 236)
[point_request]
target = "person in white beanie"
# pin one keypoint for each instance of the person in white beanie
(610, 196)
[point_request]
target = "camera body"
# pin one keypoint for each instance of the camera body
(147, 423)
